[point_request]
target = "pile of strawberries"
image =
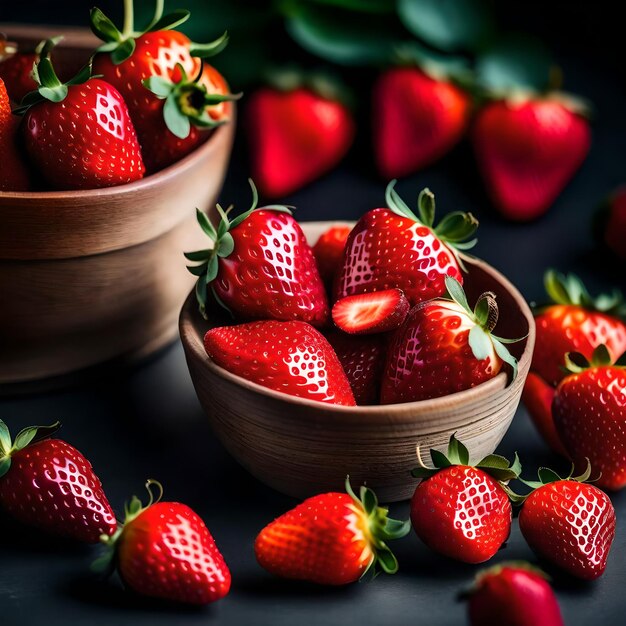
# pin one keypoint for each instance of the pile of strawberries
(145, 100)
(399, 321)
(463, 511)
(527, 145)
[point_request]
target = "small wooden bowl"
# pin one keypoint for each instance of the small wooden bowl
(86, 276)
(302, 447)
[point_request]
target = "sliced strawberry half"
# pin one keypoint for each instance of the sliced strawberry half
(368, 313)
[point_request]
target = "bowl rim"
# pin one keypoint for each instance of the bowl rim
(194, 348)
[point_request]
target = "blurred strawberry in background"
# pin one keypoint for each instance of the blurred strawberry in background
(611, 223)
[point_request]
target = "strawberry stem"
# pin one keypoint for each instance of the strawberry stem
(129, 19)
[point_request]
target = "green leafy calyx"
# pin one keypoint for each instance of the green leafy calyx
(485, 317)
(570, 290)
(454, 229)
(493, 464)
(222, 246)
(23, 439)
(575, 362)
(187, 102)
(50, 87)
(120, 44)
(380, 530)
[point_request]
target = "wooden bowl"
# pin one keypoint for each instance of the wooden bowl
(302, 447)
(86, 276)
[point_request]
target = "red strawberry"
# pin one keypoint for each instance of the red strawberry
(576, 322)
(291, 357)
(362, 358)
(614, 223)
(331, 539)
(328, 251)
(513, 594)
(528, 151)
(368, 313)
(48, 484)
(589, 409)
(460, 510)
(79, 134)
(394, 248)
(417, 119)
(165, 550)
(172, 99)
(260, 266)
(14, 175)
(569, 523)
(444, 347)
(295, 137)
(16, 68)
(537, 396)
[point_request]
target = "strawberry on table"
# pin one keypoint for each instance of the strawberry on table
(589, 409)
(260, 266)
(79, 134)
(394, 248)
(512, 594)
(291, 357)
(417, 118)
(362, 358)
(49, 484)
(14, 173)
(444, 347)
(328, 251)
(164, 550)
(575, 322)
(331, 539)
(461, 510)
(568, 522)
(528, 150)
(537, 397)
(368, 313)
(173, 99)
(298, 131)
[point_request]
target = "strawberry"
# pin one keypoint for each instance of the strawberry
(589, 409)
(79, 134)
(527, 151)
(260, 266)
(14, 174)
(49, 484)
(444, 347)
(417, 119)
(460, 510)
(368, 313)
(612, 222)
(291, 357)
(16, 68)
(513, 594)
(331, 539)
(296, 135)
(569, 523)
(575, 322)
(172, 99)
(538, 396)
(164, 550)
(394, 248)
(328, 251)
(362, 358)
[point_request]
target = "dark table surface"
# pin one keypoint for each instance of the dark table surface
(144, 421)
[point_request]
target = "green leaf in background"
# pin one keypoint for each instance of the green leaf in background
(449, 25)
(342, 37)
(514, 62)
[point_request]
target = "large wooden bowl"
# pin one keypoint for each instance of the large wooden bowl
(302, 447)
(86, 276)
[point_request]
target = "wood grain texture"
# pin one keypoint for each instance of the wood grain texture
(86, 276)
(301, 447)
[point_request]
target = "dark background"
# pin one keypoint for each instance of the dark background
(145, 421)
